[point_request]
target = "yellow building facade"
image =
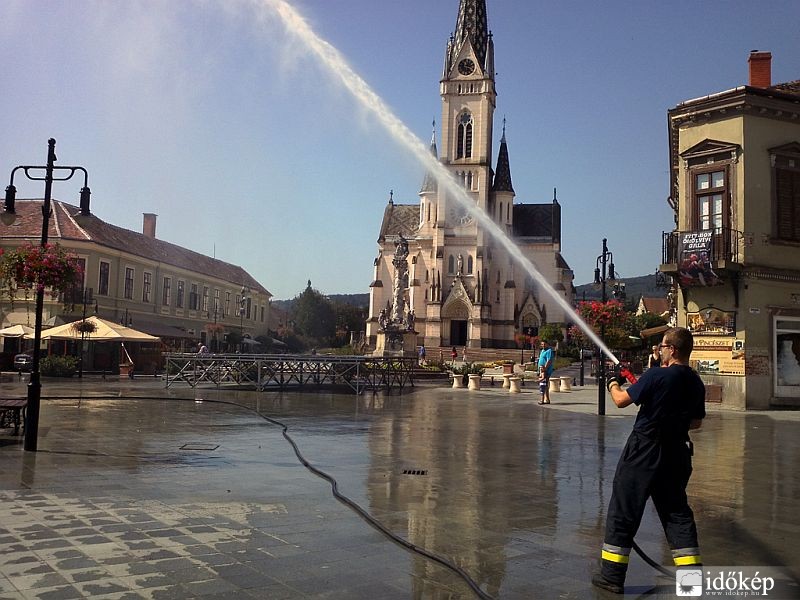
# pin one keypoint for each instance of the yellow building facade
(734, 256)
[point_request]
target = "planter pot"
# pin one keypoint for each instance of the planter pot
(508, 369)
(125, 371)
(458, 381)
(474, 382)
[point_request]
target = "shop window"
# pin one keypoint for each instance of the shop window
(787, 356)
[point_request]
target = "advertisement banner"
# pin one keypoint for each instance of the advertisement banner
(694, 259)
(718, 356)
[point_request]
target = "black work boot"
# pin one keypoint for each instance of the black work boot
(599, 581)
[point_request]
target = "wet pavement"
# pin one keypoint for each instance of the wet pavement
(138, 491)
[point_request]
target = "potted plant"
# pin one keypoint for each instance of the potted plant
(508, 367)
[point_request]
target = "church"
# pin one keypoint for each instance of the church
(462, 285)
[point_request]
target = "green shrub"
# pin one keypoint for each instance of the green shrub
(58, 366)
(469, 369)
(435, 366)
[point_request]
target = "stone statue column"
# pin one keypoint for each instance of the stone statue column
(400, 263)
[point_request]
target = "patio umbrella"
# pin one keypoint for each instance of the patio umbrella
(105, 331)
(16, 331)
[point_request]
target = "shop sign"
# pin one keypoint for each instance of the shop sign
(711, 321)
(718, 356)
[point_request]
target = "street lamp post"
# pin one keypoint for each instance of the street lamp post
(214, 337)
(9, 214)
(604, 268)
(86, 298)
(242, 304)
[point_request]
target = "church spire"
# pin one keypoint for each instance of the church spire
(502, 176)
(429, 183)
(471, 25)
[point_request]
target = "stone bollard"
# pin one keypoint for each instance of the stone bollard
(566, 384)
(514, 385)
(555, 384)
(474, 382)
(458, 381)
(506, 377)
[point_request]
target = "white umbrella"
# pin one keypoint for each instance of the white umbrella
(16, 331)
(105, 331)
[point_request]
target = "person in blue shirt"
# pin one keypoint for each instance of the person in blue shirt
(656, 461)
(546, 369)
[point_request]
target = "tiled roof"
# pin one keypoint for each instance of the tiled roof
(502, 178)
(472, 25)
(66, 223)
(400, 218)
(790, 87)
(656, 306)
(538, 220)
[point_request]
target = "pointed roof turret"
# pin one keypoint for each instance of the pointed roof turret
(429, 183)
(472, 25)
(502, 176)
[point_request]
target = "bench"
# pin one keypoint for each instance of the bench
(12, 410)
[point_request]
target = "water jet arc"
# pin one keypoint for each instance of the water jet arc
(337, 65)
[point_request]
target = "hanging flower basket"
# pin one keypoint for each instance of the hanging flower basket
(84, 327)
(32, 267)
(214, 329)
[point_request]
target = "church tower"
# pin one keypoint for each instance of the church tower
(468, 96)
(462, 284)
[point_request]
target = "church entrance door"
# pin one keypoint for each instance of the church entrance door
(458, 333)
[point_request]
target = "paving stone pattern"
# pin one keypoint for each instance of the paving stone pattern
(190, 494)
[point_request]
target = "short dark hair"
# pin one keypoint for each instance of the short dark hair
(681, 340)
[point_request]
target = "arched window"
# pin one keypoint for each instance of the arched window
(429, 212)
(451, 265)
(469, 180)
(464, 142)
(500, 215)
(469, 265)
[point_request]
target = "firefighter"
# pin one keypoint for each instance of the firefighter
(656, 461)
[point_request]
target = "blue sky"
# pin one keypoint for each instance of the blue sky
(209, 114)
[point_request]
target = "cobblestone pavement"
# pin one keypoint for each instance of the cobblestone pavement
(138, 491)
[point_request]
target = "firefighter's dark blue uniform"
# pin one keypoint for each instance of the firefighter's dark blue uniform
(656, 462)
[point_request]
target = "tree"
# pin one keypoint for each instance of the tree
(314, 315)
(349, 318)
(551, 333)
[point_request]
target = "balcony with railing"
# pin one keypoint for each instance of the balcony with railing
(723, 248)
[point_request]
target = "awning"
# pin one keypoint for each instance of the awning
(161, 329)
(646, 333)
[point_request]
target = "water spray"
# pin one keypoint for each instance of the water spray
(369, 100)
